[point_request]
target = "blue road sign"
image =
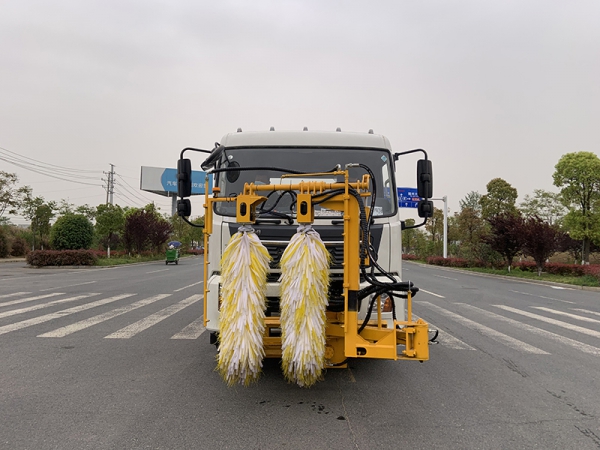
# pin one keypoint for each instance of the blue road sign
(169, 181)
(408, 197)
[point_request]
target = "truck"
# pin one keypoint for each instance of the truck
(340, 185)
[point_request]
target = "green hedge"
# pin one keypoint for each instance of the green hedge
(41, 258)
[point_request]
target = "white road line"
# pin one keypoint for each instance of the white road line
(68, 285)
(568, 326)
(447, 278)
(14, 294)
(541, 296)
(596, 313)
(156, 271)
(193, 331)
(30, 299)
(540, 332)
(189, 286)
(491, 333)
(77, 326)
(141, 325)
(58, 314)
(566, 314)
(450, 341)
(431, 293)
(14, 312)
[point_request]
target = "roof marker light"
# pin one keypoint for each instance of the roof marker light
(239, 130)
(338, 129)
(305, 129)
(272, 129)
(370, 130)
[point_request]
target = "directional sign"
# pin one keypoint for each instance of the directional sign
(408, 197)
(164, 181)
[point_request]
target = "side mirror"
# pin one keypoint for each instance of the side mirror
(424, 180)
(184, 178)
(184, 208)
(425, 208)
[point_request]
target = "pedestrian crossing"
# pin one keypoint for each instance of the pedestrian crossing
(127, 315)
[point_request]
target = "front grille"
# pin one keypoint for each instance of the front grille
(336, 251)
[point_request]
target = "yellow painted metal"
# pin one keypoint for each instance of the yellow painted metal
(343, 341)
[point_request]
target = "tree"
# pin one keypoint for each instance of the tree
(544, 204)
(110, 220)
(540, 240)
(72, 232)
(10, 196)
(472, 200)
(500, 199)
(506, 236)
(39, 213)
(143, 228)
(578, 177)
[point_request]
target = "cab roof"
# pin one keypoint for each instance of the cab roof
(305, 138)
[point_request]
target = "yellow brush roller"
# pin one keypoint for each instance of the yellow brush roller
(304, 285)
(244, 268)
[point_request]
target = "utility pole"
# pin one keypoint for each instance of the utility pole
(110, 184)
(110, 189)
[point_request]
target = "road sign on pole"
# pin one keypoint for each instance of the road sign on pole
(408, 197)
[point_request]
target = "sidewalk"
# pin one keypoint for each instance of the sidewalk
(12, 260)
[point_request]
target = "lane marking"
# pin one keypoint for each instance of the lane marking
(59, 314)
(587, 311)
(14, 312)
(77, 326)
(156, 271)
(568, 326)
(68, 285)
(189, 286)
(541, 296)
(566, 314)
(491, 333)
(193, 331)
(431, 293)
(14, 294)
(540, 332)
(143, 324)
(447, 278)
(30, 299)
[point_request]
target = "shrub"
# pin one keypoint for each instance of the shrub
(41, 258)
(72, 232)
(409, 257)
(4, 243)
(19, 247)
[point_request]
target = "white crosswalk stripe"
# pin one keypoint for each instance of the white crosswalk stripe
(566, 314)
(193, 331)
(14, 294)
(596, 313)
(487, 331)
(77, 326)
(29, 299)
(558, 323)
(538, 331)
(143, 324)
(43, 305)
(65, 312)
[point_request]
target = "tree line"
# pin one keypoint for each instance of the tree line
(64, 226)
(491, 227)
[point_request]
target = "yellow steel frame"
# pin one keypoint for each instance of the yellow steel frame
(376, 340)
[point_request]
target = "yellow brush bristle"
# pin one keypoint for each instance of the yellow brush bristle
(244, 268)
(304, 286)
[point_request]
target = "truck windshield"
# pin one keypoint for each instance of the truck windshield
(308, 160)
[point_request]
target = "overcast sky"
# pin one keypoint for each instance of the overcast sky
(489, 88)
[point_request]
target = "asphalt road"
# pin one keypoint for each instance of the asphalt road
(129, 366)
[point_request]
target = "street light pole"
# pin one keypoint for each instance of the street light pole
(445, 200)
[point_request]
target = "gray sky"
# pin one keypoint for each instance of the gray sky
(489, 88)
